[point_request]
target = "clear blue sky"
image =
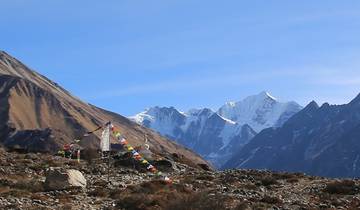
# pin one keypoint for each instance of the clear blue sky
(126, 55)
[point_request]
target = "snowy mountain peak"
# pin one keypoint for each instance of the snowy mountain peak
(200, 112)
(157, 109)
(259, 111)
(216, 135)
(203, 130)
(231, 103)
(262, 96)
(265, 94)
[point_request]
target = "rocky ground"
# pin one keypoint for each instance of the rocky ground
(22, 179)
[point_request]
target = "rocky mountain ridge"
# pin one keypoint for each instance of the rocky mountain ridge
(318, 140)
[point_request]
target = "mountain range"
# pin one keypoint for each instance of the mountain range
(259, 132)
(318, 140)
(36, 114)
(218, 135)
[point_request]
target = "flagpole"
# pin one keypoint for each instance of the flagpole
(108, 180)
(109, 156)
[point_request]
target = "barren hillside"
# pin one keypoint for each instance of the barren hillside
(36, 114)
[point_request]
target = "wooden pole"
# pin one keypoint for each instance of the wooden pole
(108, 180)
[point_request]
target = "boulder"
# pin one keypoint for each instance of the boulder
(56, 179)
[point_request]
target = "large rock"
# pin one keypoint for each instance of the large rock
(60, 180)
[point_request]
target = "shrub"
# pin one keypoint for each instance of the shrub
(98, 192)
(151, 187)
(116, 193)
(67, 207)
(229, 178)
(29, 186)
(198, 201)
(205, 177)
(271, 200)
(269, 181)
(293, 180)
(248, 186)
(15, 193)
(51, 163)
(64, 198)
(242, 206)
(136, 202)
(345, 187)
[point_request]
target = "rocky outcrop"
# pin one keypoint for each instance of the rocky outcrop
(56, 179)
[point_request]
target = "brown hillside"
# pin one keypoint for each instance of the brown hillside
(36, 114)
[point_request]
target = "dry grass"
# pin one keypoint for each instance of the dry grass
(159, 195)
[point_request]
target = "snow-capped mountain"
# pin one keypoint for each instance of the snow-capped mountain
(259, 111)
(202, 130)
(318, 140)
(217, 135)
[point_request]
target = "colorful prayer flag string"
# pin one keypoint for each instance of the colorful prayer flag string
(137, 156)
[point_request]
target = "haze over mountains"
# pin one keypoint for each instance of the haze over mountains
(218, 135)
(317, 140)
(36, 114)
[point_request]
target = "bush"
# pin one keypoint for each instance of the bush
(51, 163)
(293, 180)
(33, 186)
(151, 187)
(229, 178)
(242, 206)
(159, 195)
(248, 186)
(345, 187)
(29, 186)
(134, 202)
(199, 201)
(271, 200)
(98, 192)
(269, 181)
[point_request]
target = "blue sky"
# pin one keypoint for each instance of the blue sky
(128, 55)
